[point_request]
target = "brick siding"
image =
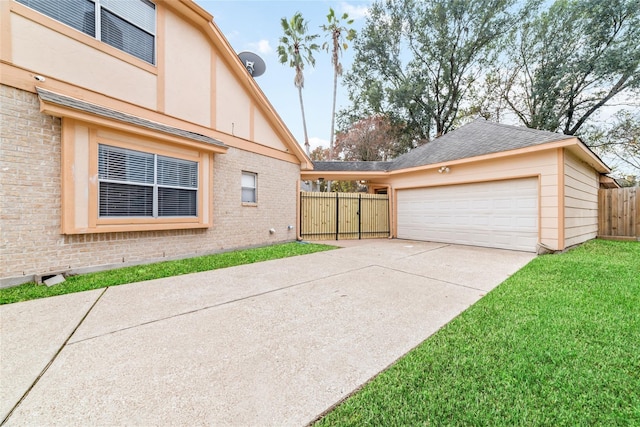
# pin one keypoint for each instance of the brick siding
(30, 213)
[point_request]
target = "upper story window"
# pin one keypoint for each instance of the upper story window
(129, 25)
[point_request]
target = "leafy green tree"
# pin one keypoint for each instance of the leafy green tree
(619, 140)
(339, 34)
(416, 60)
(572, 60)
(296, 49)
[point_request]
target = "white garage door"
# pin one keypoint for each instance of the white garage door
(500, 214)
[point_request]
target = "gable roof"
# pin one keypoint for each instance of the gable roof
(477, 138)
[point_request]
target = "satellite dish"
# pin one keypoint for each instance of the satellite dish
(254, 64)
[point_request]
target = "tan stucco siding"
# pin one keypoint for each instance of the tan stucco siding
(232, 103)
(542, 164)
(43, 50)
(187, 68)
(580, 201)
(264, 134)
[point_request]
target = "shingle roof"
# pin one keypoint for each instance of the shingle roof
(108, 113)
(477, 138)
(352, 166)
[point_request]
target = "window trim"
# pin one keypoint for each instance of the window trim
(68, 31)
(80, 188)
(254, 188)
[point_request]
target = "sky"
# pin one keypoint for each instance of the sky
(255, 26)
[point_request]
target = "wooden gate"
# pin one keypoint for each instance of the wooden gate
(335, 216)
(619, 213)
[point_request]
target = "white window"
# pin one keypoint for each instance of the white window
(129, 25)
(249, 187)
(138, 184)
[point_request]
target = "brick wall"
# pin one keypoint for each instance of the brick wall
(31, 201)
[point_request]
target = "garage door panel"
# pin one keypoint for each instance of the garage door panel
(502, 214)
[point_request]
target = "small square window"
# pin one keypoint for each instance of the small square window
(249, 187)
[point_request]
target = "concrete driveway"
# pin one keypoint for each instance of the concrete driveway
(274, 343)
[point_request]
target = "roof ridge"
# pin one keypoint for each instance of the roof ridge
(525, 128)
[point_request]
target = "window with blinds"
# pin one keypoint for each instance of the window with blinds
(249, 187)
(138, 184)
(127, 25)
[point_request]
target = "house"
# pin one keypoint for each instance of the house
(488, 184)
(131, 133)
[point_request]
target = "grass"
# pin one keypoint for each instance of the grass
(120, 276)
(556, 344)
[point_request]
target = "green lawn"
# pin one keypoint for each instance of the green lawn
(557, 344)
(120, 276)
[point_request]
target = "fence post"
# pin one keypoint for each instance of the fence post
(337, 215)
(359, 216)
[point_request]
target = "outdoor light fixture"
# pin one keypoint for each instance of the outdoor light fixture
(444, 169)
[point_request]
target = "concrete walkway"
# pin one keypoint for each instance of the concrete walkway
(275, 343)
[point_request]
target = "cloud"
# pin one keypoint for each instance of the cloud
(355, 11)
(315, 142)
(261, 46)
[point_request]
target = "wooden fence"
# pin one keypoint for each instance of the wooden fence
(335, 216)
(619, 213)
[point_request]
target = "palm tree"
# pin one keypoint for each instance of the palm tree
(296, 48)
(338, 35)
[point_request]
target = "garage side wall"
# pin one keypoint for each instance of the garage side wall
(31, 193)
(541, 164)
(580, 201)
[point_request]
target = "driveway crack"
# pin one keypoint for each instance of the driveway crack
(53, 359)
(209, 307)
(431, 278)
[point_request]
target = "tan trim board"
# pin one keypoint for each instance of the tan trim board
(539, 208)
(117, 228)
(160, 58)
(298, 231)
(343, 175)
(395, 213)
(68, 183)
(211, 188)
(6, 48)
(561, 242)
(93, 178)
(470, 181)
(214, 89)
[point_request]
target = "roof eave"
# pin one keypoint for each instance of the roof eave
(313, 175)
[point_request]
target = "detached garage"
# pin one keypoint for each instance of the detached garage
(487, 184)
(498, 214)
